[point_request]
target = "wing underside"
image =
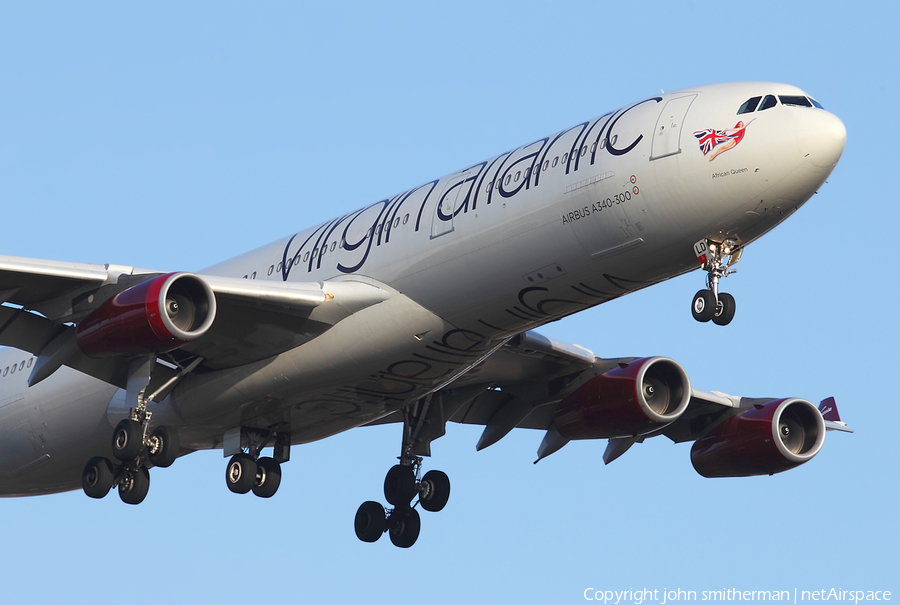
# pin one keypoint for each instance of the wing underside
(529, 381)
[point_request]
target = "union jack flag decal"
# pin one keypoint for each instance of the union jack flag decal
(709, 139)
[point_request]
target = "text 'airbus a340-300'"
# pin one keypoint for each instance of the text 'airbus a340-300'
(419, 309)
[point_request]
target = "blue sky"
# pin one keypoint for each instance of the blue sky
(174, 136)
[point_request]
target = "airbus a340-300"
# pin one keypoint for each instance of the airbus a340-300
(419, 309)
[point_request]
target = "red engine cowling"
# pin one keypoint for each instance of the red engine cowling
(764, 440)
(160, 314)
(642, 396)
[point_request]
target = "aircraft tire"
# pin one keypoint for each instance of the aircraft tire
(98, 477)
(127, 440)
(240, 474)
(703, 307)
(400, 485)
(268, 477)
(725, 309)
(370, 522)
(405, 526)
(437, 491)
(168, 448)
(133, 489)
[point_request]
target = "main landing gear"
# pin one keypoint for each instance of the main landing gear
(404, 483)
(717, 259)
(134, 448)
(401, 485)
(247, 471)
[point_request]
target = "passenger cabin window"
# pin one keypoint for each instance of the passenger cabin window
(768, 102)
(749, 105)
(795, 101)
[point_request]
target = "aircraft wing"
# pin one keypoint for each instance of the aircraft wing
(526, 382)
(43, 301)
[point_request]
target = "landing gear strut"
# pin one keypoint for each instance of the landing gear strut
(717, 259)
(401, 485)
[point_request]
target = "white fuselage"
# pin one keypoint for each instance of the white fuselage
(569, 221)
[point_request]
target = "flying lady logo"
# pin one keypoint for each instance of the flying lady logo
(720, 140)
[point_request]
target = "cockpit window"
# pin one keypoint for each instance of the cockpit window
(816, 103)
(796, 101)
(750, 105)
(768, 102)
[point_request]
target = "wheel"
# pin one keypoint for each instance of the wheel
(400, 485)
(405, 527)
(166, 446)
(240, 474)
(134, 486)
(369, 522)
(98, 477)
(127, 440)
(724, 310)
(704, 306)
(268, 477)
(437, 491)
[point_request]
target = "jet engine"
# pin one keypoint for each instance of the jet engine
(766, 439)
(631, 399)
(158, 315)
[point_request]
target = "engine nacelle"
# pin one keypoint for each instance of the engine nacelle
(640, 397)
(158, 315)
(766, 439)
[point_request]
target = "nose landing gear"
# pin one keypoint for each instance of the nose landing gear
(717, 259)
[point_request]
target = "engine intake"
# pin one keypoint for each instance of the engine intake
(764, 440)
(632, 399)
(158, 315)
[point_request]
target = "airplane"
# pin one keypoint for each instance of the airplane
(420, 309)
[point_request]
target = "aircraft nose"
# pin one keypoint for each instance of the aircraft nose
(821, 136)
